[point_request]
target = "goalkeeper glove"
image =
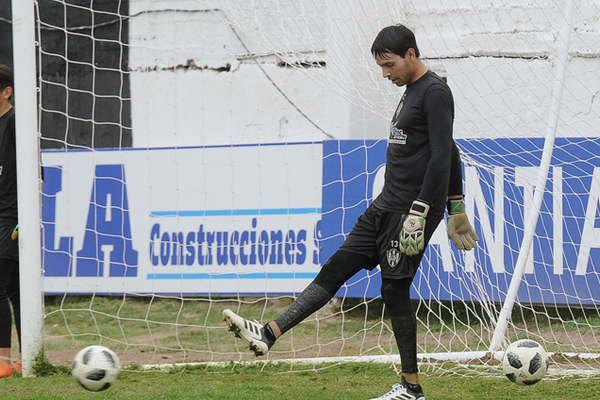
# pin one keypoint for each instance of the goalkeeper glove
(460, 230)
(412, 235)
(15, 233)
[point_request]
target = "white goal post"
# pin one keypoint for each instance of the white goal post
(553, 115)
(28, 177)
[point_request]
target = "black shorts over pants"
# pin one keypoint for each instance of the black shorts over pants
(376, 235)
(9, 249)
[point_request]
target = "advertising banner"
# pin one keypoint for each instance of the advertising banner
(262, 219)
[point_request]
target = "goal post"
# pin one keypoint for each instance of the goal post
(562, 60)
(28, 177)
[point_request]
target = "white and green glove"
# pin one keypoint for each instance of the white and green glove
(15, 233)
(460, 230)
(412, 235)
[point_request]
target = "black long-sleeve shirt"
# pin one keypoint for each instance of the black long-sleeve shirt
(8, 169)
(422, 157)
(455, 186)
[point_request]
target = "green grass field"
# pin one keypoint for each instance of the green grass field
(149, 330)
(145, 330)
(350, 381)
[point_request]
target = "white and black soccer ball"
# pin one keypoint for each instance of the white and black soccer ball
(525, 362)
(96, 368)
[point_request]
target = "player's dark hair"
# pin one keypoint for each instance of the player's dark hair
(6, 77)
(395, 39)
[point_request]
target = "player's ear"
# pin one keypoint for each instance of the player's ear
(7, 92)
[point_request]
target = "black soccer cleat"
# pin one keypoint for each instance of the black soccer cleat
(250, 331)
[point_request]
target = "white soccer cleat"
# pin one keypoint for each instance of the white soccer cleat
(401, 392)
(250, 331)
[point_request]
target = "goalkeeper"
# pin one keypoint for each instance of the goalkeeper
(9, 249)
(423, 175)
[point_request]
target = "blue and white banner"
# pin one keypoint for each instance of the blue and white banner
(261, 219)
(564, 266)
(215, 219)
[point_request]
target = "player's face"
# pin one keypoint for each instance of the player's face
(397, 69)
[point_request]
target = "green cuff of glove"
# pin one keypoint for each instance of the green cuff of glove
(456, 206)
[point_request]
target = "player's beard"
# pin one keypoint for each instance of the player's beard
(402, 79)
(399, 81)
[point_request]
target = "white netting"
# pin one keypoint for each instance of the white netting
(193, 86)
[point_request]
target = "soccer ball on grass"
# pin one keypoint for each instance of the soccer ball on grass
(96, 368)
(525, 362)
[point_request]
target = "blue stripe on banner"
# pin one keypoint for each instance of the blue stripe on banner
(219, 213)
(258, 275)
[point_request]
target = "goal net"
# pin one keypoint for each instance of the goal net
(203, 155)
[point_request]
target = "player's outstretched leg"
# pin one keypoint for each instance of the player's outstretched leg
(251, 331)
(339, 268)
(403, 391)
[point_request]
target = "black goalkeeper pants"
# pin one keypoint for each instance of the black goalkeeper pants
(9, 295)
(394, 292)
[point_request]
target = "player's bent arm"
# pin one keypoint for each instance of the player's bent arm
(455, 184)
(438, 107)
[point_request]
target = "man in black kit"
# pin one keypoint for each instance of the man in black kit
(9, 248)
(423, 175)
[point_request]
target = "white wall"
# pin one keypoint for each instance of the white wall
(498, 57)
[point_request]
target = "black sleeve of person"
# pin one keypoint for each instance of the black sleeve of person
(439, 112)
(455, 186)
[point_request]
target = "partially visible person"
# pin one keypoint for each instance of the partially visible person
(9, 247)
